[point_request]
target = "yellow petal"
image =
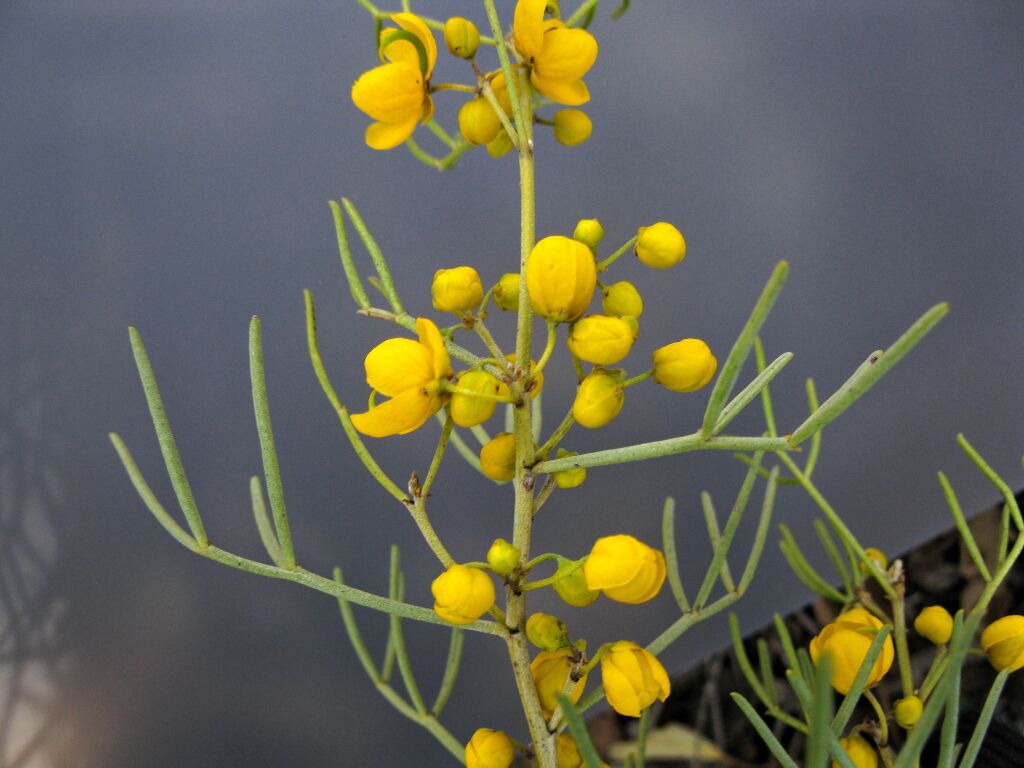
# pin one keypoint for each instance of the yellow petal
(397, 416)
(410, 22)
(572, 94)
(528, 27)
(388, 135)
(390, 93)
(397, 365)
(431, 338)
(567, 54)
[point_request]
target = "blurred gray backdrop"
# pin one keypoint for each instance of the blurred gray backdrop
(167, 165)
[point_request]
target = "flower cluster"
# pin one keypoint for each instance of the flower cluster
(551, 57)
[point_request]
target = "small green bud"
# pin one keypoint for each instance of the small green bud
(546, 632)
(569, 478)
(572, 127)
(503, 557)
(571, 585)
(462, 37)
(589, 232)
(500, 145)
(907, 711)
(506, 292)
(621, 299)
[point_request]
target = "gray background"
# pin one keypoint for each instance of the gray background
(167, 165)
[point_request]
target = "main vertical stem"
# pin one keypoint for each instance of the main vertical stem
(519, 655)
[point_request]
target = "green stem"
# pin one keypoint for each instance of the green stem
(442, 134)
(435, 464)
(899, 621)
(585, 7)
(658, 448)
(883, 723)
(637, 379)
(548, 348)
(556, 436)
(603, 265)
(488, 339)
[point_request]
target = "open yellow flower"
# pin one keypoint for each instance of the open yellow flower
(397, 93)
(847, 641)
(412, 374)
(633, 678)
(558, 56)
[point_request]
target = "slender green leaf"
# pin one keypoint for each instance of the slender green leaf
(860, 680)
(865, 377)
(271, 469)
(668, 544)
(715, 536)
(984, 720)
(947, 741)
(962, 526)
(777, 750)
(763, 526)
(752, 390)
(168, 447)
(355, 285)
(376, 255)
(994, 478)
(451, 671)
(263, 524)
(744, 662)
(741, 348)
(578, 729)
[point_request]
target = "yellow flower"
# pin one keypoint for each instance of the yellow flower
(599, 399)
(462, 37)
(846, 641)
(571, 584)
(660, 245)
(625, 569)
(506, 292)
(621, 299)
(589, 232)
(489, 749)
(503, 557)
(559, 57)
(498, 457)
(546, 632)
(561, 275)
(569, 478)
(462, 594)
(397, 94)
(550, 671)
(860, 752)
(1003, 643)
(468, 411)
(684, 366)
(632, 678)
(878, 557)
(600, 339)
(907, 711)
(412, 374)
(456, 290)
(935, 624)
(572, 127)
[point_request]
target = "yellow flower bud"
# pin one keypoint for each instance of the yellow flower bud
(561, 275)
(538, 378)
(489, 749)
(546, 632)
(907, 711)
(878, 557)
(599, 399)
(634, 325)
(621, 299)
(684, 366)
(633, 678)
(935, 624)
(462, 37)
(468, 411)
(847, 641)
(589, 232)
(572, 127)
(462, 594)
(500, 145)
(478, 121)
(569, 478)
(567, 754)
(660, 245)
(550, 670)
(457, 290)
(1003, 643)
(625, 569)
(600, 339)
(506, 292)
(503, 557)
(498, 457)
(571, 584)
(860, 751)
